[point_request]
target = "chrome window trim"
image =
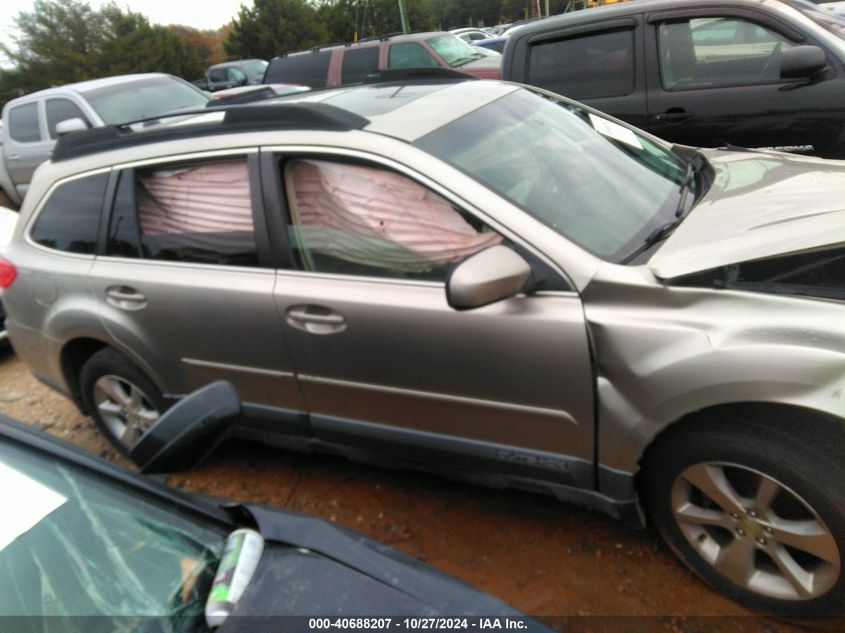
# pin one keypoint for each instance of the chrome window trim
(39, 208)
(438, 188)
(439, 285)
(189, 265)
(166, 160)
(493, 404)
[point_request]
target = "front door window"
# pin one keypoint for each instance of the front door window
(718, 51)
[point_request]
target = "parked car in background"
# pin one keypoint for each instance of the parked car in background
(479, 278)
(740, 72)
(31, 123)
(99, 548)
(248, 94)
(470, 35)
(487, 52)
(836, 8)
(351, 63)
(492, 43)
(243, 72)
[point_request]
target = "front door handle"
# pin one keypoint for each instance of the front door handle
(673, 115)
(315, 319)
(125, 298)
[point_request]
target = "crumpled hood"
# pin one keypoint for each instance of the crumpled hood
(760, 205)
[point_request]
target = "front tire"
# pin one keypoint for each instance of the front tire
(121, 399)
(757, 510)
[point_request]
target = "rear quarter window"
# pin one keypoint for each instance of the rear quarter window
(307, 69)
(70, 219)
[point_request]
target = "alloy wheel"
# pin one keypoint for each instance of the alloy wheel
(124, 408)
(755, 531)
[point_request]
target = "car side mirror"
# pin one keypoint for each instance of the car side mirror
(70, 125)
(189, 431)
(494, 274)
(801, 62)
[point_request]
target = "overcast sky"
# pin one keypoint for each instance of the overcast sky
(200, 14)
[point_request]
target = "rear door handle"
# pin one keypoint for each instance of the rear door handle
(125, 298)
(673, 115)
(315, 319)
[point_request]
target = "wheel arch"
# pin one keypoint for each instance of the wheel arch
(76, 352)
(816, 425)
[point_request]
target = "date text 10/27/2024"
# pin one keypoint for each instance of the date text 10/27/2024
(420, 623)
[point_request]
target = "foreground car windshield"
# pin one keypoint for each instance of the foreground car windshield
(143, 98)
(75, 544)
(454, 50)
(597, 183)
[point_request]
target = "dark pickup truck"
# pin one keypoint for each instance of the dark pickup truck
(751, 73)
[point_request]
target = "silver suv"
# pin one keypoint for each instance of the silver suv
(479, 278)
(32, 123)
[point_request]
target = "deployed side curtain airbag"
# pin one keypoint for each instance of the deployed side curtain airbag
(208, 198)
(376, 217)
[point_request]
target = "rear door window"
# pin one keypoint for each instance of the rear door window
(70, 219)
(410, 55)
(197, 212)
(59, 110)
(358, 63)
(306, 69)
(588, 66)
(23, 123)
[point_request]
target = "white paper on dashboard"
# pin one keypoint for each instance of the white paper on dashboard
(615, 131)
(25, 502)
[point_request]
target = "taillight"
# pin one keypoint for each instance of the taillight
(8, 273)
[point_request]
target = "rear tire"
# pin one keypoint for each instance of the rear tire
(120, 398)
(757, 510)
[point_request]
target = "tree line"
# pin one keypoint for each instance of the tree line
(64, 41)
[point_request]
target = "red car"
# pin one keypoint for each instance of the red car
(342, 64)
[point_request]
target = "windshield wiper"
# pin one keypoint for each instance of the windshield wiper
(694, 165)
(657, 235)
(466, 60)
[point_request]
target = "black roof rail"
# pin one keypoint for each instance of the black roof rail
(417, 74)
(381, 38)
(319, 47)
(242, 118)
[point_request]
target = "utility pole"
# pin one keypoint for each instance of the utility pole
(403, 15)
(547, 8)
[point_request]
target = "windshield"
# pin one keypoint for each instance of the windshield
(73, 543)
(597, 183)
(254, 68)
(454, 50)
(144, 98)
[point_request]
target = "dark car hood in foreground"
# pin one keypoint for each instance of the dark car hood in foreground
(311, 567)
(760, 205)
